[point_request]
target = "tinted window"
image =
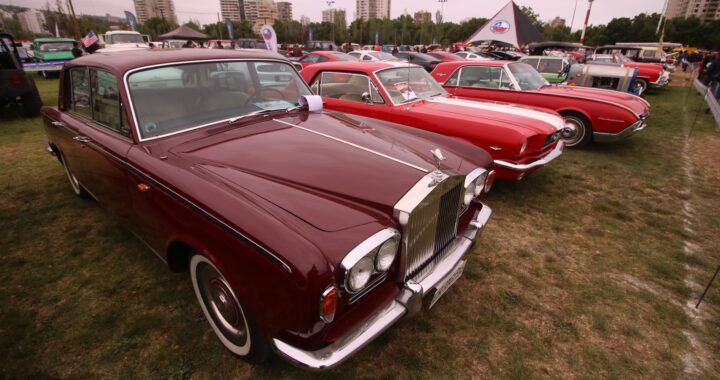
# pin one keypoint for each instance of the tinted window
(80, 82)
(367, 58)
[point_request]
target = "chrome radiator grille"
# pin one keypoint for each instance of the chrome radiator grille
(431, 226)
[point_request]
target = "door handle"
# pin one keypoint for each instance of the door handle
(58, 124)
(81, 139)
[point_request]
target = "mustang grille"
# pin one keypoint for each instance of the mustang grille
(431, 227)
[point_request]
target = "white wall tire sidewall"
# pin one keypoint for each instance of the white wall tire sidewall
(243, 350)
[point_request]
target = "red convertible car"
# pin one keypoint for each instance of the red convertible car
(592, 114)
(324, 56)
(304, 232)
(520, 139)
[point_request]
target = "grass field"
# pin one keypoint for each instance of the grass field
(588, 269)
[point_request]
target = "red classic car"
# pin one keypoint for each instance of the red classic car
(592, 114)
(324, 56)
(649, 74)
(445, 56)
(304, 232)
(520, 139)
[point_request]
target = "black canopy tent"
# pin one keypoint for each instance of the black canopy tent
(510, 26)
(184, 32)
(537, 48)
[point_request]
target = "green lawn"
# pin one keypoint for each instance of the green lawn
(583, 272)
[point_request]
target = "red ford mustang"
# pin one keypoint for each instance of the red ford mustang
(520, 139)
(324, 56)
(304, 232)
(592, 114)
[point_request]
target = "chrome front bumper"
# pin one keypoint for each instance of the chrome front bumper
(603, 137)
(553, 154)
(662, 81)
(409, 302)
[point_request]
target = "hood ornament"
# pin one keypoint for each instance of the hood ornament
(437, 175)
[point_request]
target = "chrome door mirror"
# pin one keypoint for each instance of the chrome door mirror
(366, 98)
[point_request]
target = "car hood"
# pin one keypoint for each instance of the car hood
(533, 120)
(329, 170)
(635, 103)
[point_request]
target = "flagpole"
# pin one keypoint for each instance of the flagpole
(75, 23)
(587, 18)
(572, 23)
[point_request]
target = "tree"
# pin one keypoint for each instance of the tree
(156, 26)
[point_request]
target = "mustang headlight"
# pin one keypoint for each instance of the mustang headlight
(474, 184)
(375, 254)
(523, 147)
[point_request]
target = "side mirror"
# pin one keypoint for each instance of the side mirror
(366, 98)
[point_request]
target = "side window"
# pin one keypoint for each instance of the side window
(367, 57)
(310, 58)
(344, 86)
(481, 77)
(505, 82)
(355, 54)
(321, 58)
(375, 95)
(80, 83)
(532, 62)
(453, 80)
(106, 102)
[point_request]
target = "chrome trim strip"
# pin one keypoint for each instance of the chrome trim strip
(355, 146)
(473, 175)
(132, 107)
(194, 206)
(588, 99)
(408, 302)
(553, 154)
(367, 288)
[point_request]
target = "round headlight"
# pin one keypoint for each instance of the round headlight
(469, 193)
(359, 274)
(386, 254)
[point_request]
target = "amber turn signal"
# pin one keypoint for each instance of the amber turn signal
(328, 304)
(143, 187)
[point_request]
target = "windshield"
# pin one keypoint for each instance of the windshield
(406, 84)
(125, 38)
(343, 57)
(174, 98)
(383, 56)
(527, 77)
(56, 46)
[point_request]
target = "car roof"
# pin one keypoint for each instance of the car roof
(53, 40)
(360, 66)
(324, 52)
(120, 62)
(457, 64)
(542, 57)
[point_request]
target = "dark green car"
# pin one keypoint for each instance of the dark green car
(52, 51)
(553, 69)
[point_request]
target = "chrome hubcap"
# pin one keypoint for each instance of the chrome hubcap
(222, 304)
(573, 132)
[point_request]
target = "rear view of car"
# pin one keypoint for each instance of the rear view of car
(16, 87)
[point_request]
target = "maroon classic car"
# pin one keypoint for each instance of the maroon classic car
(592, 114)
(520, 139)
(304, 232)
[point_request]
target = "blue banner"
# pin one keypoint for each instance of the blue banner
(132, 21)
(231, 31)
(310, 30)
(377, 37)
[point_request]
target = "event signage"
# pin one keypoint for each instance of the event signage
(269, 36)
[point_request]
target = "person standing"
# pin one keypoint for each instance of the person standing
(76, 51)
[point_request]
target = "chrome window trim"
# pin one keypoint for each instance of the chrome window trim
(142, 68)
(371, 84)
(362, 250)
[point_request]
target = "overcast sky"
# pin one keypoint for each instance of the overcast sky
(454, 10)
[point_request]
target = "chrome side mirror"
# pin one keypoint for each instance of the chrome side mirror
(366, 98)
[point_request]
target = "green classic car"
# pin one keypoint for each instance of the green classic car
(51, 53)
(553, 69)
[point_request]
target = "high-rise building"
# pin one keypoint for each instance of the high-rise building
(328, 15)
(260, 13)
(557, 21)
(367, 9)
(284, 9)
(145, 9)
(422, 17)
(705, 10)
(231, 9)
(32, 20)
(304, 20)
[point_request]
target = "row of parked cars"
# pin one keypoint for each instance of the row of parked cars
(312, 211)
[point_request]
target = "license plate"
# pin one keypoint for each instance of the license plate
(442, 288)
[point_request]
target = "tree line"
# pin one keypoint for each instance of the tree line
(402, 30)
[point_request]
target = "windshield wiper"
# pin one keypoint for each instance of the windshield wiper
(253, 113)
